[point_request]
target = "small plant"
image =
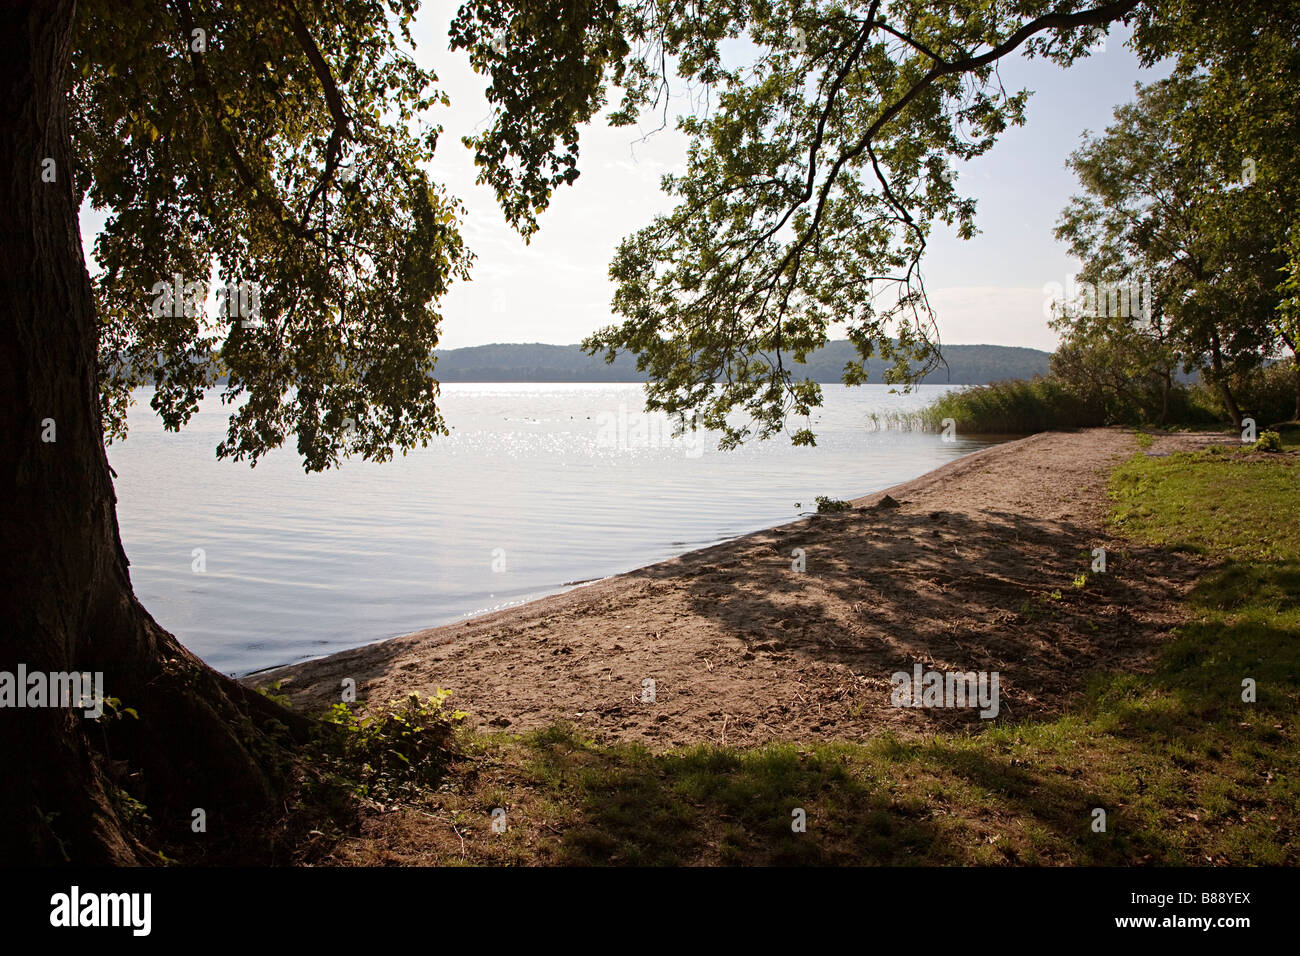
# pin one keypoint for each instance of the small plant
(402, 749)
(273, 693)
(827, 506)
(130, 810)
(113, 709)
(1269, 441)
(1144, 440)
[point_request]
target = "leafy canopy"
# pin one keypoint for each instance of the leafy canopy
(1244, 123)
(812, 185)
(1195, 188)
(1155, 213)
(285, 145)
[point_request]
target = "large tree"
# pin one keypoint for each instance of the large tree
(271, 142)
(66, 593)
(278, 143)
(1243, 127)
(1155, 214)
(283, 148)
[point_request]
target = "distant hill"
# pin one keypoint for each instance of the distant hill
(967, 364)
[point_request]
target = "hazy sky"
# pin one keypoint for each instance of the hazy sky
(557, 290)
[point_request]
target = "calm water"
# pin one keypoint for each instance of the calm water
(547, 483)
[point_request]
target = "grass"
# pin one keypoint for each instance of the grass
(1186, 771)
(1046, 403)
(1240, 759)
(1011, 408)
(1227, 504)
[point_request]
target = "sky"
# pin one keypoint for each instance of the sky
(556, 289)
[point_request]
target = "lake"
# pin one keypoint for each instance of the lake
(537, 486)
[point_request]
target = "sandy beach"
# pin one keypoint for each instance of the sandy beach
(971, 567)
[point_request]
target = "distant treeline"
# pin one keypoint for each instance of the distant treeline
(967, 364)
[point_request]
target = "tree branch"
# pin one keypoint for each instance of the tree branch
(333, 100)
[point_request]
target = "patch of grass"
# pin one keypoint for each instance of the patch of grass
(1221, 503)
(1012, 408)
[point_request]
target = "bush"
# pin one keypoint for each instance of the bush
(402, 749)
(1195, 405)
(1268, 394)
(1265, 394)
(827, 505)
(1269, 441)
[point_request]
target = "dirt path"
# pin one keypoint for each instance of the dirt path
(974, 570)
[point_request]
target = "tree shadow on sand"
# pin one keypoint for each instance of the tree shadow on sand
(886, 589)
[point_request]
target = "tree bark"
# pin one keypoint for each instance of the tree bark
(1166, 365)
(201, 739)
(1166, 386)
(1221, 380)
(1294, 346)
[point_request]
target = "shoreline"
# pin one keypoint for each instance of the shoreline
(253, 676)
(731, 643)
(568, 586)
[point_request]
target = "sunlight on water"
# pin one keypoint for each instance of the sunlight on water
(570, 482)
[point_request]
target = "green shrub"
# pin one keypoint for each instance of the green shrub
(1269, 441)
(274, 692)
(827, 505)
(1265, 394)
(1268, 394)
(1195, 405)
(402, 749)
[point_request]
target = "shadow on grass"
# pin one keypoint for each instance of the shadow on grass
(1246, 626)
(886, 803)
(709, 805)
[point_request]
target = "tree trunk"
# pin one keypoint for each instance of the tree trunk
(1221, 380)
(1166, 364)
(1295, 374)
(1166, 386)
(64, 587)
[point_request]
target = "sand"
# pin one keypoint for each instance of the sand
(976, 568)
